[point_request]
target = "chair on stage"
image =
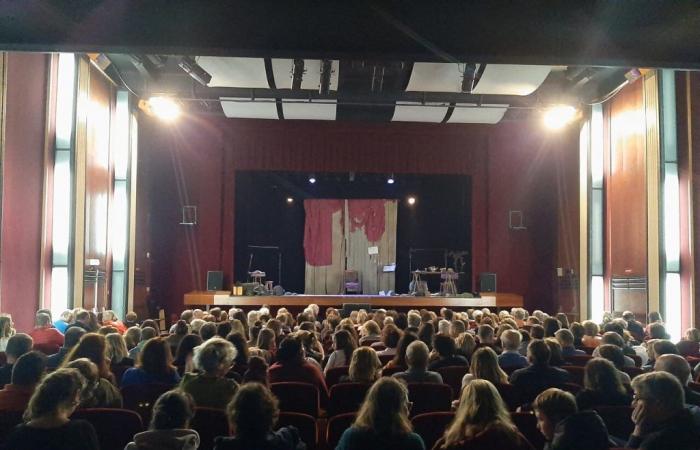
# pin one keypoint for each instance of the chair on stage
(302, 422)
(429, 397)
(297, 397)
(209, 423)
(115, 427)
(352, 282)
(431, 426)
(346, 397)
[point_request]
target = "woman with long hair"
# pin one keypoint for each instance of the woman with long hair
(484, 366)
(266, 345)
(47, 418)
(170, 425)
(6, 331)
(98, 392)
(426, 333)
(343, 346)
(466, 344)
(382, 422)
(399, 361)
(482, 421)
(117, 353)
(365, 366)
(602, 386)
(155, 365)
(185, 352)
(92, 346)
(240, 363)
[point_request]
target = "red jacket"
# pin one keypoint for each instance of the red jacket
(47, 336)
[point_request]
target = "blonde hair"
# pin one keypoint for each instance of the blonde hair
(385, 408)
(466, 344)
(6, 329)
(365, 366)
(116, 348)
(485, 366)
(480, 408)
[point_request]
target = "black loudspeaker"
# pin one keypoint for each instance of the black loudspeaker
(215, 280)
(487, 282)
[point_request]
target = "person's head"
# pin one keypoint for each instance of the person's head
(241, 345)
(659, 394)
(343, 341)
(131, 337)
(187, 315)
(66, 316)
(484, 365)
(185, 348)
(612, 338)
(391, 335)
(426, 332)
(413, 320)
(417, 355)
(215, 356)
(551, 407)
(155, 357)
(88, 370)
(485, 334)
(444, 345)
(628, 315)
(105, 330)
(602, 376)
(291, 351)
(457, 327)
(692, 334)
(92, 346)
(676, 365)
(555, 353)
(18, 345)
(537, 332)
(181, 328)
(83, 317)
(654, 316)
(43, 320)
(612, 353)
(6, 325)
(257, 371)
(480, 407)
(590, 328)
(29, 369)
(207, 330)
(510, 339)
(173, 410)
(266, 339)
(365, 366)
(406, 340)
(370, 328)
(196, 325)
(253, 411)
(578, 332)
(116, 348)
(563, 320)
(664, 347)
(551, 325)
(657, 330)
(385, 408)
(131, 318)
(465, 344)
(58, 393)
(565, 338)
(538, 352)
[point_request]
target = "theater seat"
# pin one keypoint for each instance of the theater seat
(141, 398)
(429, 397)
(431, 426)
(576, 374)
(389, 371)
(452, 376)
(618, 419)
(384, 359)
(115, 427)
(572, 388)
(209, 423)
(346, 397)
(578, 360)
(297, 397)
(632, 371)
(510, 395)
(336, 426)
(8, 421)
(527, 425)
(334, 375)
(302, 422)
(46, 349)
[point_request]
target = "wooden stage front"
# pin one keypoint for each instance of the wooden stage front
(224, 298)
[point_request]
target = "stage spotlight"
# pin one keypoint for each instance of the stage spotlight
(290, 200)
(312, 179)
(165, 108)
(559, 116)
(390, 180)
(411, 200)
(190, 66)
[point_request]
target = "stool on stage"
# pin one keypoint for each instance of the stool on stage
(448, 286)
(257, 276)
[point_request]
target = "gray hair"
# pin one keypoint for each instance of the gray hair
(413, 320)
(511, 339)
(662, 388)
(214, 353)
(417, 354)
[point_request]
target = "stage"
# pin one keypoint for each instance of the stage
(297, 302)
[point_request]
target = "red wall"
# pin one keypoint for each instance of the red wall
(22, 175)
(513, 166)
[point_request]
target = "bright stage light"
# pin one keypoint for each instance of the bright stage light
(411, 200)
(312, 179)
(290, 200)
(165, 108)
(559, 116)
(390, 180)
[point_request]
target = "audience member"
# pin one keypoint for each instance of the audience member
(240, 362)
(170, 425)
(369, 333)
(291, 366)
(602, 386)
(485, 366)
(147, 333)
(252, 415)
(45, 336)
(426, 333)
(155, 365)
(92, 346)
(17, 345)
(635, 328)
(551, 326)
(482, 422)
(590, 337)
(64, 321)
(97, 392)
(180, 330)
(446, 351)
(117, 354)
(110, 319)
(266, 345)
(6, 331)
(382, 422)
(566, 340)
(540, 375)
(660, 417)
(131, 320)
(510, 358)
(657, 330)
(466, 344)
(82, 320)
(71, 339)
(48, 424)
(209, 387)
(613, 338)
(537, 332)
(343, 347)
(26, 374)
(390, 340)
(678, 367)
(555, 354)
(257, 371)
(185, 352)
(399, 361)
(365, 366)
(417, 355)
(578, 332)
(132, 337)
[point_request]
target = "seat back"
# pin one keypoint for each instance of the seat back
(527, 425)
(384, 359)
(346, 397)
(572, 388)
(618, 419)
(578, 360)
(452, 376)
(576, 374)
(334, 375)
(429, 397)
(302, 422)
(336, 426)
(510, 395)
(141, 398)
(632, 371)
(389, 371)
(8, 421)
(118, 372)
(297, 397)
(46, 348)
(431, 426)
(209, 423)
(115, 427)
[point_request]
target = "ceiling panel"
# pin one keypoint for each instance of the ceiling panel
(415, 112)
(282, 70)
(309, 111)
(488, 114)
(248, 109)
(510, 79)
(235, 72)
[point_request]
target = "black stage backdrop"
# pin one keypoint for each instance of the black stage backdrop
(439, 219)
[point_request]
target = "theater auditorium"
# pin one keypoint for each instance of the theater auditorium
(385, 225)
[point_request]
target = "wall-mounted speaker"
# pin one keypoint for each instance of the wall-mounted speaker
(215, 280)
(487, 282)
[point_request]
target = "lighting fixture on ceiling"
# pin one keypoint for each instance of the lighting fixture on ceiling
(558, 116)
(290, 200)
(165, 108)
(312, 179)
(190, 66)
(297, 73)
(411, 200)
(390, 180)
(325, 82)
(470, 76)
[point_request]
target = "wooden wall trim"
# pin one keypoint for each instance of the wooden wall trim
(653, 152)
(691, 199)
(3, 88)
(584, 181)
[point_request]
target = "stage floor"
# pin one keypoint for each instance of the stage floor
(224, 298)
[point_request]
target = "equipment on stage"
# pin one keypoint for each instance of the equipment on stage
(448, 287)
(418, 287)
(487, 282)
(215, 280)
(433, 262)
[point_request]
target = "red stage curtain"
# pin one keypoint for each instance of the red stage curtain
(318, 237)
(367, 214)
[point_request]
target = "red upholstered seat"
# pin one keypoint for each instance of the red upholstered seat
(334, 375)
(431, 426)
(452, 376)
(304, 423)
(618, 419)
(46, 349)
(141, 398)
(346, 397)
(389, 371)
(527, 425)
(429, 397)
(384, 359)
(510, 395)
(571, 387)
(576, 374)
(115, 427)
(336, 426)
(209, 423)
(578, 360)
(297, 397)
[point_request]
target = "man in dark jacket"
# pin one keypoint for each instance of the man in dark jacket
(17, 345)
(564, 427)
(661, 419)
(635, 328)
(71, 339)
(539, 376)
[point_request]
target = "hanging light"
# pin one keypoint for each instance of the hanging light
(559, 116)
